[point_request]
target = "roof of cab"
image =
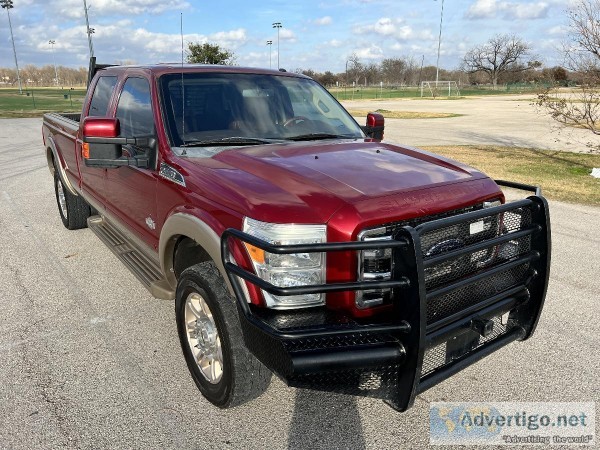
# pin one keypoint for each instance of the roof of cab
(165, 68)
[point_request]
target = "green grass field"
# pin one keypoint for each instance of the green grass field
(34, 102)
(563, 176)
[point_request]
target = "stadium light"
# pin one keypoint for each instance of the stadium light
(278, 26)
(52, 42)
(270, 44)
(8, 5)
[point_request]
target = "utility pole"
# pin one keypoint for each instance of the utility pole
(52, 42)
(89, 30)
(270, 44)
(8, 5)
(278, 26)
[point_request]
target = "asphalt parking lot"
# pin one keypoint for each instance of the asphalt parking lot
(509, 120)
(91, 360)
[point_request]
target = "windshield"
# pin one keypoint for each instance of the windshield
(227, 109)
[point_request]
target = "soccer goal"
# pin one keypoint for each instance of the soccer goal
(439, 89)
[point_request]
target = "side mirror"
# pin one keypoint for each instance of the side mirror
(375, 126)
(103, 148)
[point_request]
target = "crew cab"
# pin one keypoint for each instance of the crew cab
(292, 240)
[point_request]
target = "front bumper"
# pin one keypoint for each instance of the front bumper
(433, 330)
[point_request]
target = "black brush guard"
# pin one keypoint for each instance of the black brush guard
(433, 331)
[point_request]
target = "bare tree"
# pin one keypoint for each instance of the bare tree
(356, 68)
(370, 73)
(501, 54)
(582, 51)
(581, 107)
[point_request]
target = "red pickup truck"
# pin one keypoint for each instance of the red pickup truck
(293, 240)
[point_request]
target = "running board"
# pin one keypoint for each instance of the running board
(145, 269)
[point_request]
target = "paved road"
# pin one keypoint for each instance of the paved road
(90, 360)
(494, 120)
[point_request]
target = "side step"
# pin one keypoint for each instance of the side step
(145, 269)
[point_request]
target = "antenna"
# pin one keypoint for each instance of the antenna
(182, 86)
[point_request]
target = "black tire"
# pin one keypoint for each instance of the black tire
(73, 209)
(243, 377)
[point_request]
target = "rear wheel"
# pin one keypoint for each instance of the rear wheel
(211, 338)
(73, 209)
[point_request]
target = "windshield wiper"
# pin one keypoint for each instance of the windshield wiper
(235, 140)
(318, 136)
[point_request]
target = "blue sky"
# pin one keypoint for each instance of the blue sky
(316, 34)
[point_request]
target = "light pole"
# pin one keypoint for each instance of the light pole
(270, 44)
(437, 66)
(346, 83)
(8, 5)
(278, 26)
(52, 42)
(90, 31)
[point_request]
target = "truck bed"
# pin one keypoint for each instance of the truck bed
(68, 117)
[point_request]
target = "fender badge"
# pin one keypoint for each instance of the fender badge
(172, 174)
(150, 223)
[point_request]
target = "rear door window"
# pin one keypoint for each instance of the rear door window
(101, 98)
(135, 108)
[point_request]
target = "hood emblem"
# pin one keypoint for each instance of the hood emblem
(444, 247)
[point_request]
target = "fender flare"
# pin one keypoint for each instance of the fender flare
(58, 162)
(183, 224)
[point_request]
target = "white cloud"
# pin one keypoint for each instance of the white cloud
(231, 39)
(527, 11)
(287, 35)
(324, 21)
(393, 28)
(370, 53)
(483, 9)
(138, 44)
(488, 9)
(558, 30)
(73, 9)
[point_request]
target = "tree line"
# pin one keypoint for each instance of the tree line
(44, 76)
(507, 54)
(404, 72)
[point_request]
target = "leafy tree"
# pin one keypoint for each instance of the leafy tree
(209, 54)
(560, 74)
(501, 54)
(392, 69)
(327, 78)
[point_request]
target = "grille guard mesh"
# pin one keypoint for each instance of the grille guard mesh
(397, 358)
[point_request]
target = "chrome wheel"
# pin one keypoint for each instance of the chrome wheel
(203, 338)
(62, 198)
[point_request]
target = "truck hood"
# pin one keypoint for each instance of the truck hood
(326, 176)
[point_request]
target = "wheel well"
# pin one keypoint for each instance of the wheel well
(187, 253)
(50, 160)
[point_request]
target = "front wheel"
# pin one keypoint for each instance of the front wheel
(73, 209)
(211, 338)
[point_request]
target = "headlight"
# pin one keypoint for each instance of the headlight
(298, 269)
